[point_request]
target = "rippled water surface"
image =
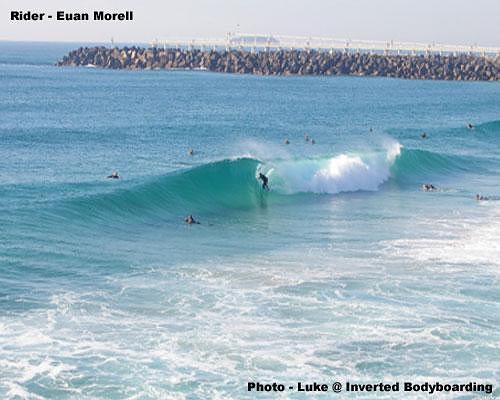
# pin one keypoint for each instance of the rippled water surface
(345, 270)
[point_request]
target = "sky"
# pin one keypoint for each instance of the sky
(441, 21)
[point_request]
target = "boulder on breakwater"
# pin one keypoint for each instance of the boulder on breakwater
(461, 67)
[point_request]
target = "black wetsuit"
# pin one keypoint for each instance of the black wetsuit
(264, 180)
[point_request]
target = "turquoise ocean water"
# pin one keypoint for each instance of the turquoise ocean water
(345, 271)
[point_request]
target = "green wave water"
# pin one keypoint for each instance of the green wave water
(232, 184)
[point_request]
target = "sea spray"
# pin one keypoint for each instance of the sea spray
(340, 173)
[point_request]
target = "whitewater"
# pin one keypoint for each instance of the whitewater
(344, 271)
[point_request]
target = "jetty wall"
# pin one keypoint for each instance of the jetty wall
(462, 67)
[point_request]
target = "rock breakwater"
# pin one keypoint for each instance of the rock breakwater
(462, 67)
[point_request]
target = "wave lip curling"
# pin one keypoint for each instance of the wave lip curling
(342, 173)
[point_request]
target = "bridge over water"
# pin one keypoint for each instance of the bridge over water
(260, 42)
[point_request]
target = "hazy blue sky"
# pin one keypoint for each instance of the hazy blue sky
(446, 21)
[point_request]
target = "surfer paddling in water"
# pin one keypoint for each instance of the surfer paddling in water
(429, 187)
(190, 220)
(114, 175)
(264, 180)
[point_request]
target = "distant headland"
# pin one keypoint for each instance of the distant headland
(286, 62)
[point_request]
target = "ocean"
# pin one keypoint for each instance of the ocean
(345, 271)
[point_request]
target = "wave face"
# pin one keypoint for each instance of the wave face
(414, 165)
(233, 184)
(489, 131)
(219, 185)
(492, 126)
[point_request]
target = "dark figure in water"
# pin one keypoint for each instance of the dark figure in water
(190, 220)
(470, 126)
(428, 187)
(423, 135)
(264, 180)
(481, 198)
(114, 175)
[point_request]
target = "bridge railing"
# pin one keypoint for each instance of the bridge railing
(258, 42)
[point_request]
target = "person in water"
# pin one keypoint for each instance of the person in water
(470, 126)
(191, 152)
(428, 187)
(264, 180)
(190, 220)
(306, 137)
(423, 135)
(114, 175)
(481, 198)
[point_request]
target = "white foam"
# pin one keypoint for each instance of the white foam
(16, 391)
(270, 316)
(342, 173)
(460, 241)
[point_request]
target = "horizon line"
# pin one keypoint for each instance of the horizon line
(158, 39)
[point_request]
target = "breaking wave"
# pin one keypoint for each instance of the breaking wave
(232, 183)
